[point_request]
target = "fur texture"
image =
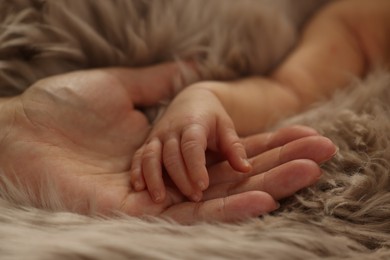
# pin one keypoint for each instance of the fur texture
(346, 215)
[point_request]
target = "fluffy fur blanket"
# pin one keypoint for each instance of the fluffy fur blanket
(346, 215)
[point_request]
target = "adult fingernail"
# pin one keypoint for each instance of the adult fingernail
(328, 153)
(337, 149)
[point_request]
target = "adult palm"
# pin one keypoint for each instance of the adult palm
(74, 135)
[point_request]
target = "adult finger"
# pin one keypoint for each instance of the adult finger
(259, 143)
(233, 208)
(279, 182)
(149, 85)
(315, 148)
(140, 204)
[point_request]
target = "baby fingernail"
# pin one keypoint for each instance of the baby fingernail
(138, 186)
(196, 197)
(202, 185)
(157, 196)
(246, 163)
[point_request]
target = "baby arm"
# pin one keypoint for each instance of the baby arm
(343, 41)
(194, 121)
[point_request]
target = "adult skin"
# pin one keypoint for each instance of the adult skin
(81, 130)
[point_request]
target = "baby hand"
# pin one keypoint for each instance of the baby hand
(194, 122)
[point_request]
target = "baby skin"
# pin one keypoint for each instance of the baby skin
(194, 122)
(343, 41)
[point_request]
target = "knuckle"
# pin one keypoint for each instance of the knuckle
(222, 209)
(190, 146)
(171, 154)
(138, 154)
(170, 161)
(194, 119)
(149, 154)
(136, 161)
(197, 210)
(233, 143)
(194, 137)
(236, 144)
(195, 127)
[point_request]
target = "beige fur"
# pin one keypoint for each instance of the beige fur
(346, 215)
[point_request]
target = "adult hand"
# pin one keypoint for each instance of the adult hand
(283, 162)
(77, 133)
(80, 130)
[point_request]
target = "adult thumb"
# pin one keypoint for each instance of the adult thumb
(148, 85)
